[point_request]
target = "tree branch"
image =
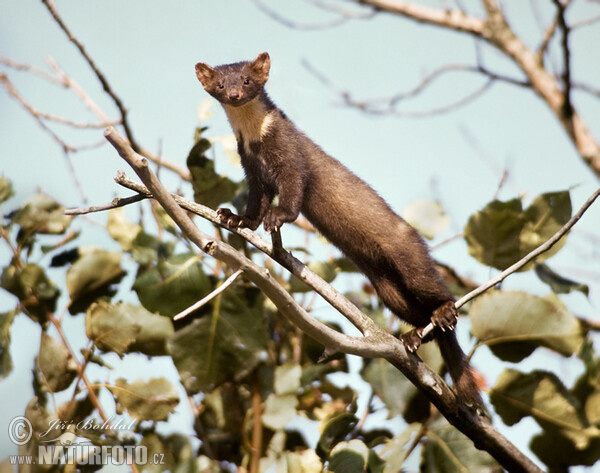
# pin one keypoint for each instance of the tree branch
(379, 343)
(497, 33)
(454, 19)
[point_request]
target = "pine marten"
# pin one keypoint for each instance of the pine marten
(278, 159)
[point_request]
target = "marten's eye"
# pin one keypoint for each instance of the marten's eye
(246, 81)
(220, 85)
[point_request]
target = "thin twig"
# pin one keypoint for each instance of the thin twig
(567, 106)
(228, 282)
(117, 202)
(32, 69)
(105, 85)
(387, 106)
(295, 25)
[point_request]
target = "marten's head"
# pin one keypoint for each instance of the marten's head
(235, 84)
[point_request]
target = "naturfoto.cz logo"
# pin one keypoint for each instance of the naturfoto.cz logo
(69, 448)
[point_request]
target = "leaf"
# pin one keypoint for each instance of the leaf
(393, 388)
(327, 270)
(542, 396)
(515, 323)
(147, 249)
(559, 284)
(446, 450)
(125, 328)
(121, 229)
(36, 293)
(279, 410)
(210, 188)
(394, 450)
(303, 461)
(390, 386)
(91, 275)
(287, 378)
(42, 214)
(56, 364)
(502, 233)
(351, 456)
(6, 365)
(6, 189)
(334, 430)
(557, 451)
(153, 399)
(225, 346)
(427, 216)
(172, 285)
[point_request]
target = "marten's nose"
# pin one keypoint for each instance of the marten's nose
(234, 95)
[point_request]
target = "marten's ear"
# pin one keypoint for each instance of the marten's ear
(261, 65)
(204, 73)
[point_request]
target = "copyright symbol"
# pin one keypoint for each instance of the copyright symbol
(20, 430)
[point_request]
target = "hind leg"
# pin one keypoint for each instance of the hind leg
(445, 316)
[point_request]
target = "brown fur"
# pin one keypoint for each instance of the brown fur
(278, 159)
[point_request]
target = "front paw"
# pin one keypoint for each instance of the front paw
(229, 218)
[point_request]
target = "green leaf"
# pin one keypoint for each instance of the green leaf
(210, 188)
(91, 276)
(6, 189)
(172, 285)
(334, 430)
(57, 367)
(390, 385)
(153, 399)
(515, 323)
(42, 214)
(502, 233)
(427, 216)
(397, 393)
(542, 396)
(147, 249)
(31, 286)
(558, 452)
(394, 450)
(559, 284)
(327, 270)
(447, 450)
(125, 328)
(351, 456)
(6, 365)
(279, 411)
(225, 346)
(121, 229)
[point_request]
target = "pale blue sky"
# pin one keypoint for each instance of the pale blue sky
(148, 49)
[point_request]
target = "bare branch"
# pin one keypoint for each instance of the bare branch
(567, 106)
(32, 69)
(455, 19)
(295, 25)
(387, 106)
(196, 305)
(284, 258)
(105, 85)
(118, 202)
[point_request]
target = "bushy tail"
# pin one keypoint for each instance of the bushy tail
(460, 370)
